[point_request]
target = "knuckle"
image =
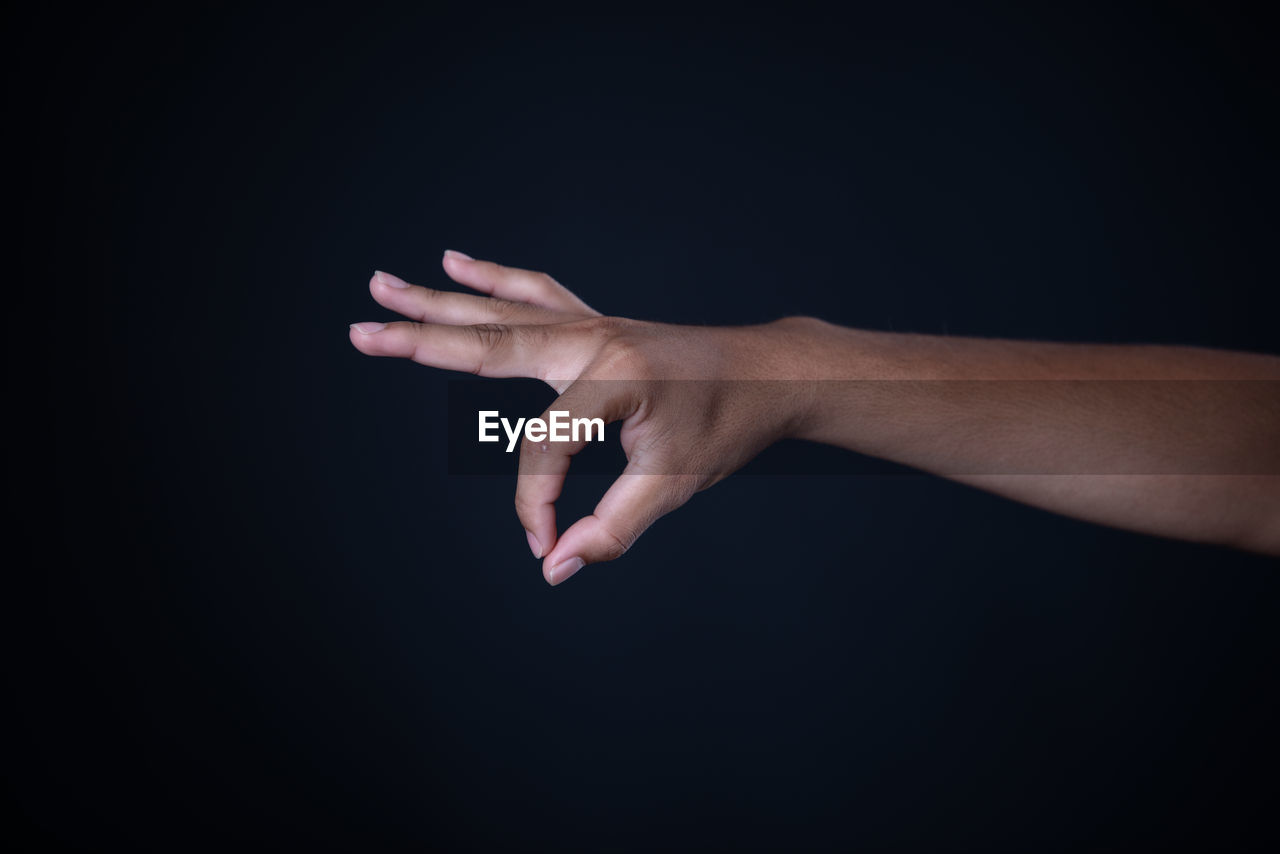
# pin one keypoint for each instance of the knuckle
(432, 302)
(523, 314)
(417, 334)
(503, 309)
(489, 335)
(800, 323)
(627, 358)
(615, 545)
(525, 504)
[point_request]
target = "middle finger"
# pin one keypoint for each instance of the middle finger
(455, 309)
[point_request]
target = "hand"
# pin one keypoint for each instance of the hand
(695, 402)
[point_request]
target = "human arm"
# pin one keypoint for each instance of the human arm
(1060, 426)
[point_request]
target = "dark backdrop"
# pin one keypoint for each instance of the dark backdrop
(264, 613)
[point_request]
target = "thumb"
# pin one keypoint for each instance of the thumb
(633, 503)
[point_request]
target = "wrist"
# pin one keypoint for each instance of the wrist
(808, 358)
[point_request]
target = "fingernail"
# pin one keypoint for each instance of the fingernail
(389, 280)
(461, 256)
(368, 327)
(564, 569)
(534, 546)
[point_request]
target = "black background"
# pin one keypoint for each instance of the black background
(264, 613)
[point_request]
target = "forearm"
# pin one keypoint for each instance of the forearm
(1175, 441)
(1182, 442)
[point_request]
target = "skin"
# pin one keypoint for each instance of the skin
(1181, 442)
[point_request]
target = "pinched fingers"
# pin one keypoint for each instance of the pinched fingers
(584, 409)
(631, 505)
